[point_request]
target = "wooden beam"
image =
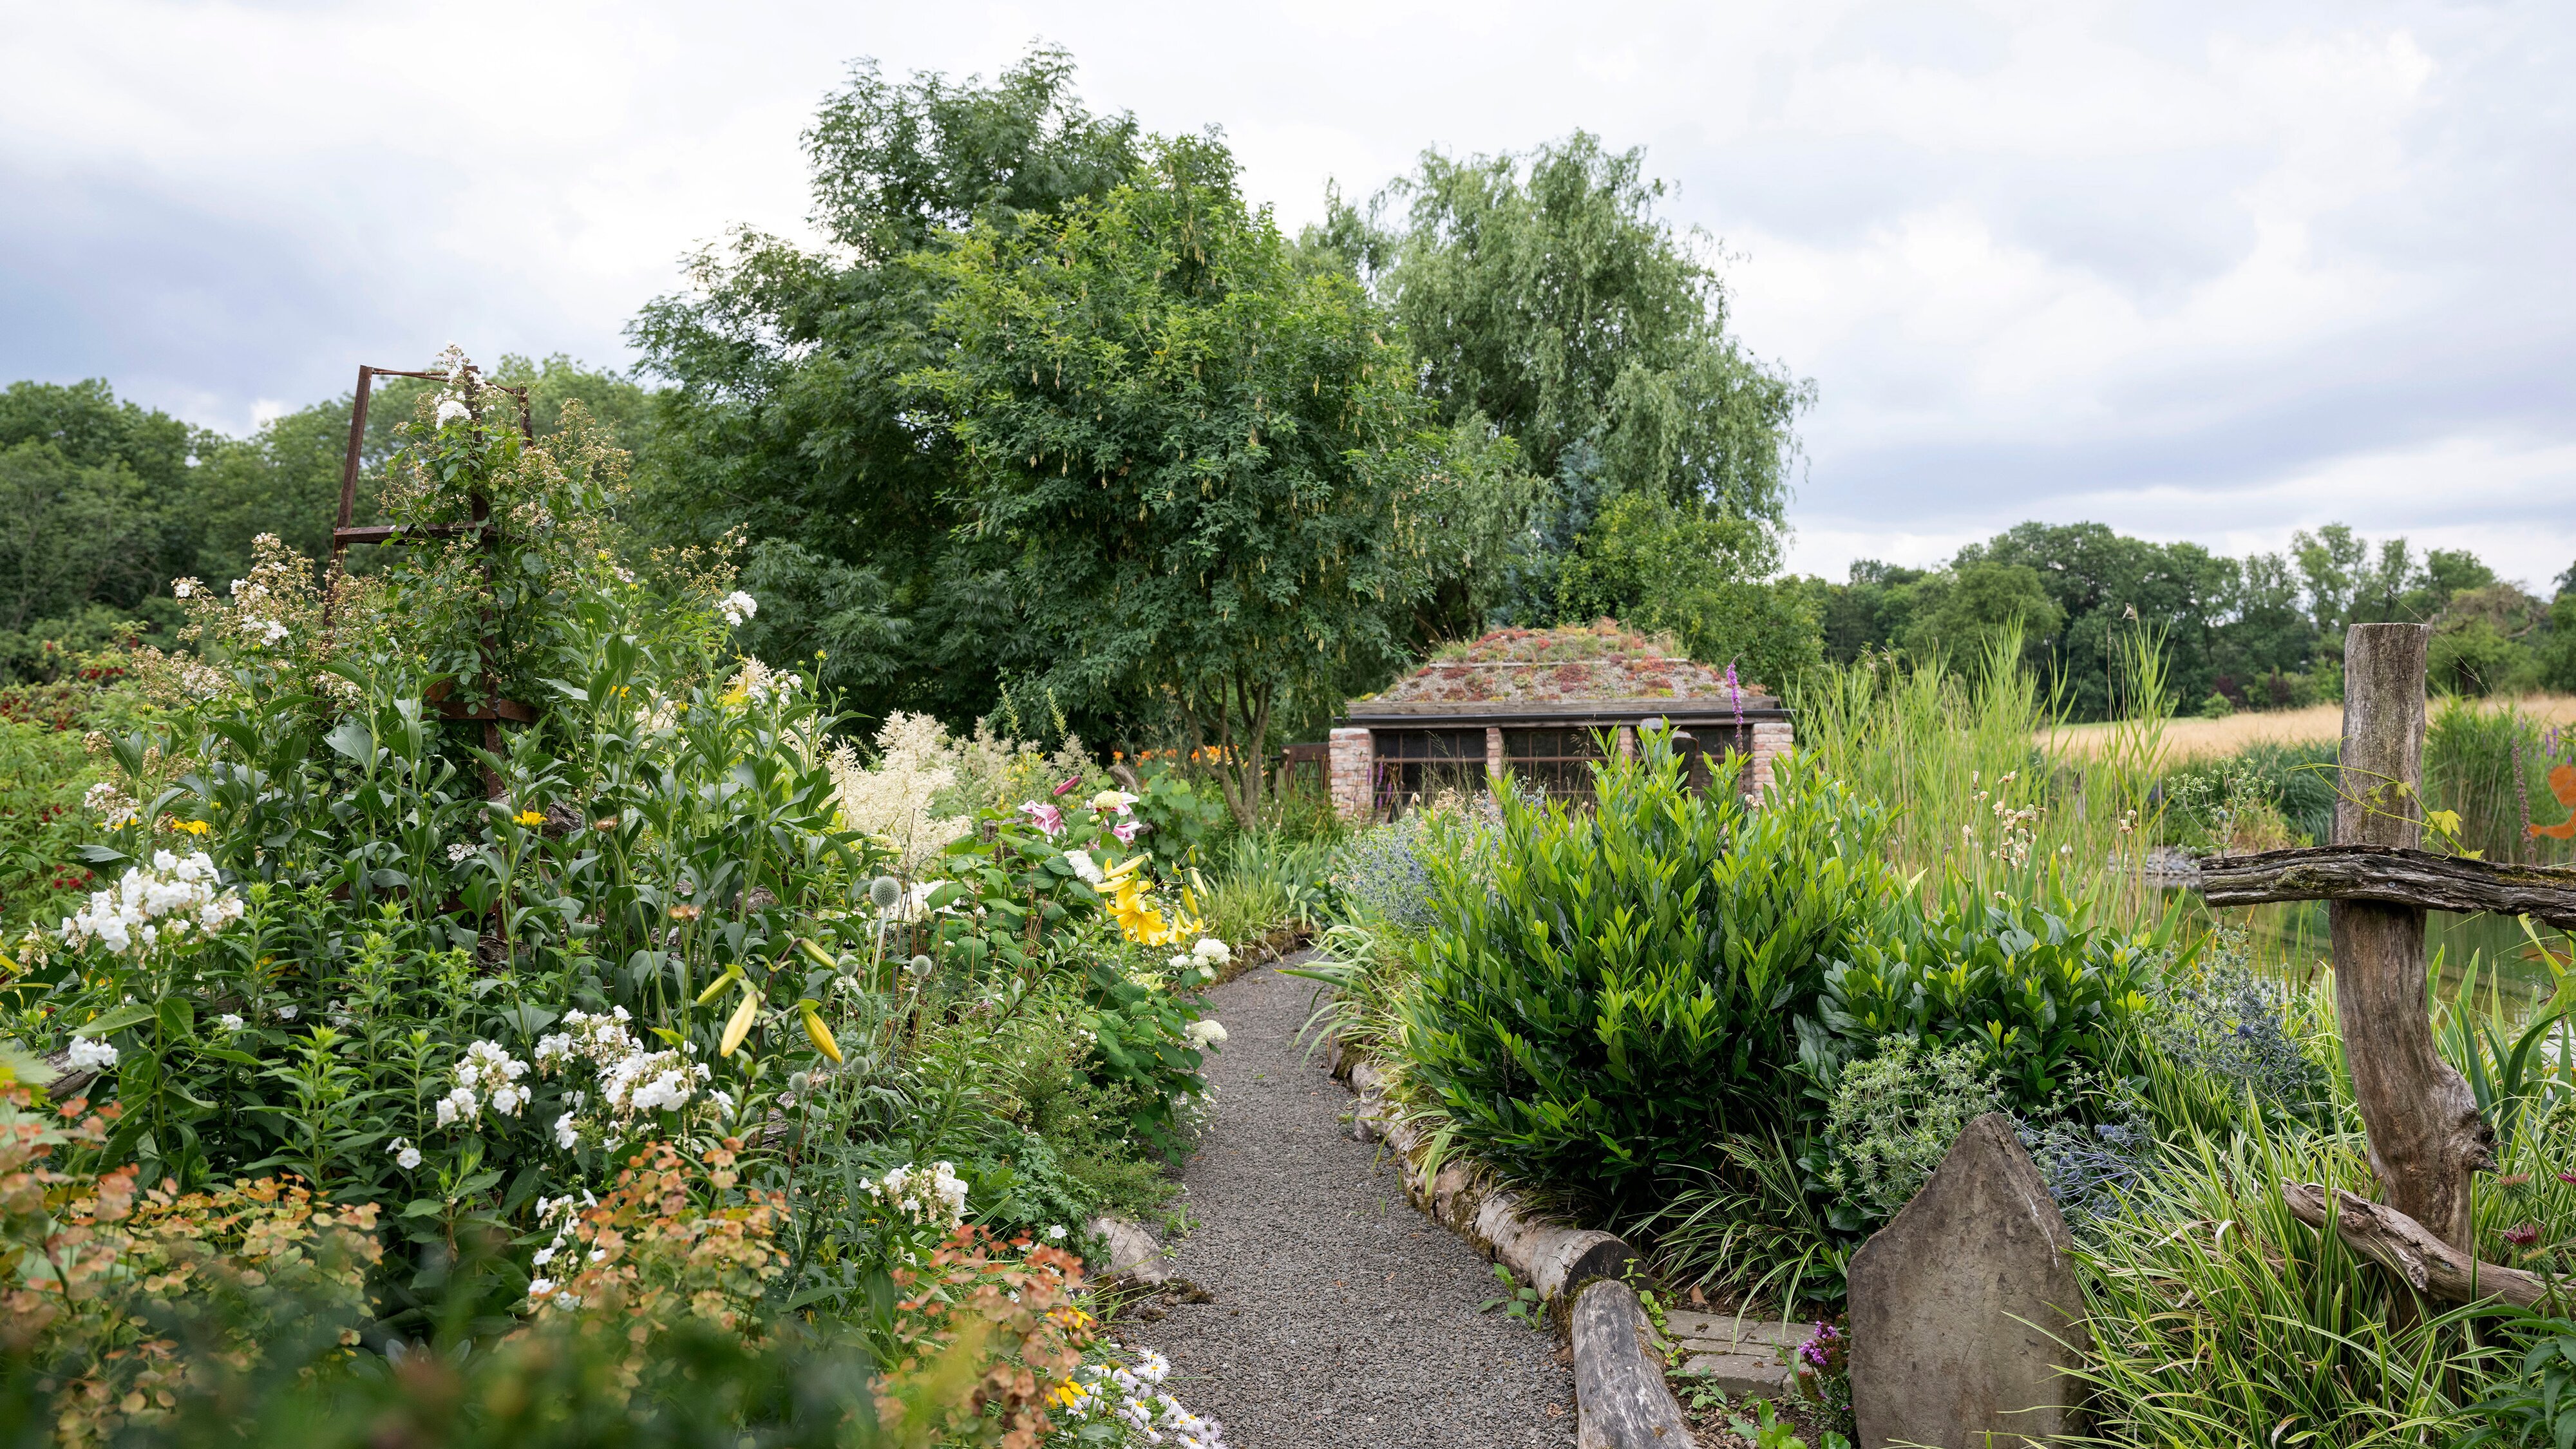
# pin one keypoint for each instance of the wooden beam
(2426, 1136)
(2395, 875)
(2404, 1247)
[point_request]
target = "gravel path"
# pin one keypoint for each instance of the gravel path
(1338, 1315)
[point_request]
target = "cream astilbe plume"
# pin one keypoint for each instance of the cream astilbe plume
(892, 800)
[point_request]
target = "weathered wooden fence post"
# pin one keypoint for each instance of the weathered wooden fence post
(2426, 1136)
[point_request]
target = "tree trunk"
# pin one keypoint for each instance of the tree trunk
(2426, 1136)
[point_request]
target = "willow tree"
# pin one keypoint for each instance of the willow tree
(1205, 469)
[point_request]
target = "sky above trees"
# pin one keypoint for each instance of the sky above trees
(2182, 270)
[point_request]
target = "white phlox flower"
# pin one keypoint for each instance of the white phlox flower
(173, 895)
(935, 1194)
(89, 1054)
(229, 1022)
(405, 1155)
(114, 809)
(737, 607)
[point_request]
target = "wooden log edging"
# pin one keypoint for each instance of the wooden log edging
(1550, 1256)
(2395, 876)
(1620, 1399)
(2408, 1249)
(1619, 1394)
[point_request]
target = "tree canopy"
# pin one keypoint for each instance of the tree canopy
(1549, 302)
(1203, 470)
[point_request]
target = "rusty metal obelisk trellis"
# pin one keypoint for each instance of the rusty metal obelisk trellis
(2426, 1135)
(486, 532)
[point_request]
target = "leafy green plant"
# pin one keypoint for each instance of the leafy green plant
(2036, 990)
(1894, 1116)
(2535, 1405)
(1616, 997)
(1518, 1300)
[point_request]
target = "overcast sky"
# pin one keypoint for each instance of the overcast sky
(2196, 271)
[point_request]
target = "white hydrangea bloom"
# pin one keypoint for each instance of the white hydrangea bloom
(1204, 1034)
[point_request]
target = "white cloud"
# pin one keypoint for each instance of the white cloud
(2202, 267)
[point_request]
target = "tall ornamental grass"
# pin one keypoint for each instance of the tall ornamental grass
(2491, 767)
(1974, 796)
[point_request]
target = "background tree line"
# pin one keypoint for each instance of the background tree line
(2261, 632)
(1055, 424)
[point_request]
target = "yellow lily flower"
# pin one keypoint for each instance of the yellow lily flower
(740, 1027)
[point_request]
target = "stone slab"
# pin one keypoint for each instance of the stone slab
(1687, 1325)
(1964, 1307)
(1740, 1373)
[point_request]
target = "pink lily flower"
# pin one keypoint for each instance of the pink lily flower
(1127, 831)
(1045, 817)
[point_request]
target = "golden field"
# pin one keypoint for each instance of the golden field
(2195, 739)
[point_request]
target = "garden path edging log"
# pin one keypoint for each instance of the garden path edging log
(1620, 1401)
(1549, 1256)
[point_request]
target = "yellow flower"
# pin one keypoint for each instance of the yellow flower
(193, 827)
(532, 818)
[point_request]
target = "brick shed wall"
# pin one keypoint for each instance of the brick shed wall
(1353, 761)
(1771, 739)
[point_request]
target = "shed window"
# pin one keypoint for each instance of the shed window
(1415, 765)
(1555, 762)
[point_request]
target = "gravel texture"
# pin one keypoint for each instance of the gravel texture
(1336, 1314)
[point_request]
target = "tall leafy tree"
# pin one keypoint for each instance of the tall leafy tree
(787, 419)
(1549, 301)
(1202, 468)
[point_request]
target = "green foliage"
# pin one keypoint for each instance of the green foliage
(1617, 995)
(1551, 304)
(1955, 755)
(2035, 990)
(1253, 498)
(43, 773)
(1980, 606)
(1179, 817)
(2219, 1319)
(2225, 806)
(1699, 577)
(786, 418)
(1895, 1115)
(1518, 1301)
(2489, 764)
(1142, 1030)
(2536, 1405)
(2261, 632)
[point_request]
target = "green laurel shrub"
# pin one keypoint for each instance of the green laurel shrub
(2039, 990)
(1615, 991)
